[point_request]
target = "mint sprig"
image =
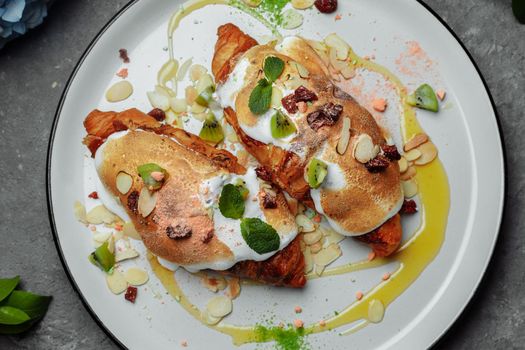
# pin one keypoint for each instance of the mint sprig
(259, 236)
(261, 95)
(231, 202)
(273, 68)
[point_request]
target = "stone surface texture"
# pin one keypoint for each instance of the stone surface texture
(33, 72)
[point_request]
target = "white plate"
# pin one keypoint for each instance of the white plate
(466, 134)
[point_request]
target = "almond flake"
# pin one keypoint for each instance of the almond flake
(119, 91)
(319, 269)
(204, 81)
(234, 288)
(100, 214)
(116, 282)
(101, 237)
(308, 261)
(167, 72)
(412, 155)
(129, 230)
(184, 69)
(136, 276)
(213, 283)
(147, 202)
(328, 255)
(80, 212)
(209, 319)
(376, 311)
(344, 139)
(219, 306)
(409, 173)
(333, 237)
(121, 255)
(158, 99)
(304, 223)
(316, 247)
(403, 165)
(312, 237)
(415, 141)
(197, 71)
(303, 72)
(178, 105)
(428, 153)
(364, 148)
(124, 182)
(410, 188)
(190, 95)
(277, 95)
(302, 4)
(342, 48)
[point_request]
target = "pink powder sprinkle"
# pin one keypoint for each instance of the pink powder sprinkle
(379, 104)
(298, 309)
(184, 343)
(371, 256)
(157, 175)
(123, 73)
(298, 323)
(359, 295)
(441, 94)
(322, 323)
(386, 276)
(338, 17)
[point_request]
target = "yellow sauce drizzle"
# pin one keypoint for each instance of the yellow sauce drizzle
(413, 257)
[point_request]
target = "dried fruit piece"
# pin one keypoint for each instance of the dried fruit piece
(116, 282)
(326, 6)
(289, 104)
(344, 139)
(100, 215)
(132, 202)
(409, 207)
(131, 294)
(412, 155)
(178, 231)
(304, 223)
(124, 182)
(390, 151)
(410, 188)
(327, 114)
(428, 153)
(123, 54)
(302, 94)
(158, 114)
(136, 276)
(219, 306)
(93, 195)
(364, 148)
(328, 255)
(119, 91)
(147, 202)
(377, 165)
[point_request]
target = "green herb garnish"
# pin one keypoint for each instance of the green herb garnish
(19, 310)
(231, 202)
(285, 338)
(103, 258)
(145, 171)
(273, 68)
(259, 236)
(261, 97)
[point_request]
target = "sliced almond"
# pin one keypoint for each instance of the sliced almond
(344, 139)
(116, 282)
(308, 261)
(111, 244)
(234, 288)
(302, 4)
(204, 81)
(304, 223)
(403, 165)
(415, 141)
(316, 247)
(80, 212)
(342, 48)
(126, 254)
(333, 237)
(190, 94)
(303, 72)
(197, 71)
(147, 202)
(319, 269)
(167, 72)
(219, 306)
(312, 237)
(197, 108)
(376, 311)
(119, 91)
(129, 230)
(183, 69)
(136, 276)
(100, 214)
(412, 155)
(410, 188)
(101, 237)
(348, 72)
(328, 255)
(428, 153)
(209, 319)
(159, 99)
(334, 74)
(364, 148)
(124, 182)
(213, 283)
(178, 105)
(277, 95)
(409, 173)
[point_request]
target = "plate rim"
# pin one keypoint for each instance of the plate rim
(93, 42)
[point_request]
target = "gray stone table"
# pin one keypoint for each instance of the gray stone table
(33, 72)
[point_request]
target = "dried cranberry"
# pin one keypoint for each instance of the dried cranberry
(123, 54)
(131, 294)
(263, 173)
(326, 6)
(133, 200)
(93, 195)
(178, 231)
(390, 151)
(269, 200)
(207, 237)
(158, 114)
(377, 165)
(290, 104)
(302, 94)
(409, 207)
(327, 115)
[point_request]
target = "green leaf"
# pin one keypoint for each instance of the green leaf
(231, 203)
(11, 316)
(16, 329)
(261, 97)
(145, 171)
(7, 285)
(273, 68)
(259, 236)
(34, 305)
(518, 7)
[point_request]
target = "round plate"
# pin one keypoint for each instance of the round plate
(466, 133)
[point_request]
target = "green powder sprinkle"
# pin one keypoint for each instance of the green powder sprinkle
(286, 338)
(274, 10)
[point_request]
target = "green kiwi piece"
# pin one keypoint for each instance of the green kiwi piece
(316, 172)
(206, 96)
(425, 98)
(211, 130)
(281, 126)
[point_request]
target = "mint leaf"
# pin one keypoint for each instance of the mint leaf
(7, 285)
(259, 236)
(273, 68)
(231, 203)
(12, 316)
(35, 306)
(145, 171)
(261, 97)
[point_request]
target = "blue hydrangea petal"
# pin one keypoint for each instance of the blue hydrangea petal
(14, 11)
(19, 28)
(2, 11)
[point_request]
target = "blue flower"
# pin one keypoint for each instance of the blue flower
(17, 16)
